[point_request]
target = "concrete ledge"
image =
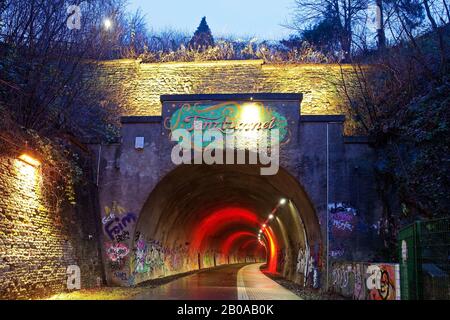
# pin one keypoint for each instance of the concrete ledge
(210, 63)
(356, 139)
(323, 118)
(237, 96)
(141, 119)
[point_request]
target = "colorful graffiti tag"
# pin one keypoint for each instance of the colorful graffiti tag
(344, 225)
(117, 251)
(381, 282)
(365, 281)
(307, 266)
(115, 228)
(153, 259)
(343, 218)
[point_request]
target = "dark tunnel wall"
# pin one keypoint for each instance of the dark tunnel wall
(202, 216)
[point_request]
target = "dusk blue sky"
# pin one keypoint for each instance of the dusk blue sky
(241, 18)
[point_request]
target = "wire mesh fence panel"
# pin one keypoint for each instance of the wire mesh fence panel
(434, 247)
(425, 260)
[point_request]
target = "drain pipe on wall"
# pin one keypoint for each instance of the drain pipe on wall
(328, 211)
(98, 162)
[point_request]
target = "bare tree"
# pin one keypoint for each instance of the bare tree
(345, 14)
(44, 70)
(438, 31)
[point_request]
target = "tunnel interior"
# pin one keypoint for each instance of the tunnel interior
(201, 216)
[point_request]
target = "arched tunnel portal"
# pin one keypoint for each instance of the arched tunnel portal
(201, 216)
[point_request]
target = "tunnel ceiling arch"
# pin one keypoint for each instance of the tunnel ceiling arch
(219, 208)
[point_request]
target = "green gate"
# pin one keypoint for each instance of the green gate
(424, 255)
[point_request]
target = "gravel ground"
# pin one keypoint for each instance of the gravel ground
(302, 292)
(116, 293)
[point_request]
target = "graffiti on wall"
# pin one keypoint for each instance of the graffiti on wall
(116, 222)
(381, 282)
(342, 218)
(344, 225)
(116, 251)
(153, 259)
(348, 280)
(365, 281)
(308, 267)
(117, 227)
(281, 261)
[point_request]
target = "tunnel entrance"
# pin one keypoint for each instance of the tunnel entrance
(201, 216)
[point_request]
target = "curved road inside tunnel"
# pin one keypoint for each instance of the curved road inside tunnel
(230, 282)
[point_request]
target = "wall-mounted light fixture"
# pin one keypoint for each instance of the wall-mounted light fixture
(139, 143)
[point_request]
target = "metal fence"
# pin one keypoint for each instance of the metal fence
(424, 254)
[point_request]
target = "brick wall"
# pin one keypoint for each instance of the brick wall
(37, 244)
(137, 86)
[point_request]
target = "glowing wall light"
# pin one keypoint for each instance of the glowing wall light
(250, 113)
(107, 23)
(30, 160)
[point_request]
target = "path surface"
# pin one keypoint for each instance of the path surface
(227, 283)
(231, 282)
(252, 284)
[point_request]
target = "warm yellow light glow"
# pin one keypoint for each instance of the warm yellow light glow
(107, 23)
(264, 225)
(270, 216)
(27, 171)
(29, 160)
(250, 113)
(28, 183)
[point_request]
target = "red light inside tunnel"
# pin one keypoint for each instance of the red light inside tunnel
(272, 261)
(218, 221)
(233, 238)
(247, 243)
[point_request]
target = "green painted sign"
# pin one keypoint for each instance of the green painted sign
(241, 119)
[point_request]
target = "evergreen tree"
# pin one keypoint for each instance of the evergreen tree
(202, 37)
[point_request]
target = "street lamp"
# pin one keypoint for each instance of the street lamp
(107, 23)
(282, 201)
(271, 216)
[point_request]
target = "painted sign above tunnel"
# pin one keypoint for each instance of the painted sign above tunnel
(248, 121)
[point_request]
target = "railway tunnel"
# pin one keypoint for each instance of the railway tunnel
(211, 215)
(162, 218)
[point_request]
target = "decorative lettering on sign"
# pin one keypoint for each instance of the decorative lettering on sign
(239, 118)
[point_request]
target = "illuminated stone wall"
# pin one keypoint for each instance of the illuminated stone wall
(37, 245)
(138, 86)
